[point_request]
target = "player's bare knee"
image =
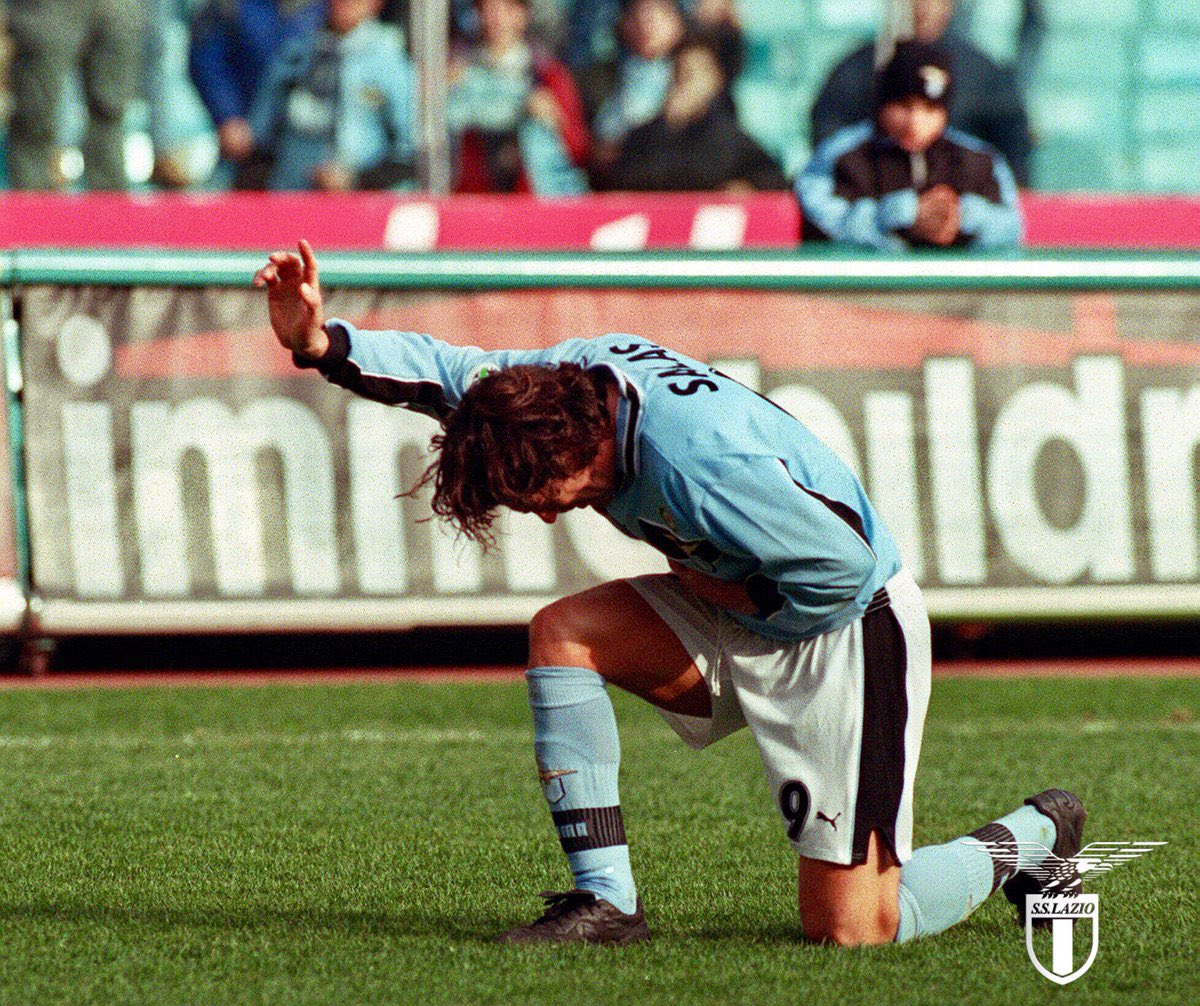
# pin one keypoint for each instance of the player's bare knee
(841, 934)
(853, 928)
(887, 921)
(556, 637)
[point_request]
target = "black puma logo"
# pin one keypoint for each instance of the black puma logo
(831, 821)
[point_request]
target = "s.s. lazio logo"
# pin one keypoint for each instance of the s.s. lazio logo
(1060, 906)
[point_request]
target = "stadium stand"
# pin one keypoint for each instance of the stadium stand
(1113, 89)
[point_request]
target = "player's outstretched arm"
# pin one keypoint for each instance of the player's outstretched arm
(294, 301)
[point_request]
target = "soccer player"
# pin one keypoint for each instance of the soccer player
(787, 610)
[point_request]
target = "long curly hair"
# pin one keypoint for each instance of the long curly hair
(516, 433)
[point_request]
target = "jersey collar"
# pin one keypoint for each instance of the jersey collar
(629, 425)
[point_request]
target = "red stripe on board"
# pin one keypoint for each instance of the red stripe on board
(785, 331)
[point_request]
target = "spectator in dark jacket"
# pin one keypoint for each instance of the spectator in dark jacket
(233, 42)
(628, 90)
(904, 179)
(696, 143)
(989, 103)
(720, 19)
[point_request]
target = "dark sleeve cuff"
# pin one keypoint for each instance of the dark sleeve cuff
(335, 354)
(764, 592)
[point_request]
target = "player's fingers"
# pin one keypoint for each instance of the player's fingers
(287, 265)
(309, 295)
(266, 276)
(310, 262)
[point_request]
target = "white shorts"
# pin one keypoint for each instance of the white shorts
(838, 719)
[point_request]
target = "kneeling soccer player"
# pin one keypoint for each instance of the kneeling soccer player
(787, 610)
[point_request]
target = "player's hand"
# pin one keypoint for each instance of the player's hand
(294, 301)
(728, 594)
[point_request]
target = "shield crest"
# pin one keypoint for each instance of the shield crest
(1063, 914)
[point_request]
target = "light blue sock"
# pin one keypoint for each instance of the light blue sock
(943, 884)
(578, 755)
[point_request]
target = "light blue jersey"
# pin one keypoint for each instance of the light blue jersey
(710, 473)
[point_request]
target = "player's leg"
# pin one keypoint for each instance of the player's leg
(608, 633)
(838, 720)
(943, 884)
(875, 900)
(851, 905)
(612, 630)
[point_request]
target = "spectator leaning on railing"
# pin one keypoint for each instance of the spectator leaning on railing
(904, 179)
(990, 103)
(337, 109)
(696, 144)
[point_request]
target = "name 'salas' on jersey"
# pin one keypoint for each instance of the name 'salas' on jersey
(710, 473)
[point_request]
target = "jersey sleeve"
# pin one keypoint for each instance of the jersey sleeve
(811, 552)
(413, 370)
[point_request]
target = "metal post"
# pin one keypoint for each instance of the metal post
(429, 27)
(35, 652)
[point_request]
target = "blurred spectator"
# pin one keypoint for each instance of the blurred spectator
(720, 19)
(546, 22)
(591, 35)
(232, 44)
(337, 110)
(5, 95)
(905, 179)
(515, 111)
(989, 105)
(102, 41)
(181, 132)
(628, 90)
(695, 144)
(1019, 46)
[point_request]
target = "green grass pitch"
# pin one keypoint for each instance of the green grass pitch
(362, 843)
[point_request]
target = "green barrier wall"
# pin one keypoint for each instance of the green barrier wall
(1026, 426)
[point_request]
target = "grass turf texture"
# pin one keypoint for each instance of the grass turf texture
(363, 843)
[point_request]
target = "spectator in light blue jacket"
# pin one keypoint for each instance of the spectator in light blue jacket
(905, 180)
(337, 110)
(515, 116)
